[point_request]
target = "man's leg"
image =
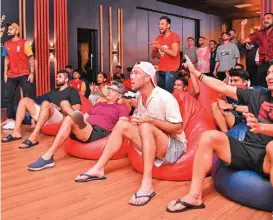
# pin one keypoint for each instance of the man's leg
(219, 117)
(160, 78)
(154, 145)
(25, 105)
(66, 108)
(67, 127)
(261, 75)
(46, 112)
(11, 85)
(268, 161)
(210, 141)
(170, 78)
(26, 86)
(123, 129)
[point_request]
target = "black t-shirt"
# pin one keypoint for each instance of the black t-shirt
(70, 94)
(260, 104)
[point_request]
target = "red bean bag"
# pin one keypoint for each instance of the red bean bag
(93, 150)
(53, 129)
(206, 96)
(196, 120)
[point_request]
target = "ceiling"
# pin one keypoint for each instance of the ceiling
(223, 8)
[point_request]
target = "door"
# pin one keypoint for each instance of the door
(88, 53)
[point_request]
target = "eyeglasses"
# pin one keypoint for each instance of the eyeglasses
(111, 89)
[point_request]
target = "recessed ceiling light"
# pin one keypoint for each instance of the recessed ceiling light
(243, 5)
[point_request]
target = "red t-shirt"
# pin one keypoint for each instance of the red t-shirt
(127, 84)
(265, 46)
(76, 84)
(167, 62)
(106, 115)
(18, 53)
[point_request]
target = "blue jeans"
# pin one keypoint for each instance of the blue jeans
(165, 80)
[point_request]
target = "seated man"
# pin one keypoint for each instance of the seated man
(98, 91)
(255, 152)
(229, 113)
(51, 111)
(181, 84)
(94, 125)
(76, 83)
(156, 130)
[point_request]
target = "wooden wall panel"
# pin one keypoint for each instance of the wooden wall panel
(60, 34)
(41, 38)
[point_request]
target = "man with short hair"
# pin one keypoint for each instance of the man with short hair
(76, 83)
(94, 125)
(18, 70)
(227, 55)
(190, 51)
(118, 75)
(49, 112)
(69, 69)
(203, 56)
(227, 114)
(265, 38)
(166, 47)
(155, 131)
(254, 153)
(213, 48)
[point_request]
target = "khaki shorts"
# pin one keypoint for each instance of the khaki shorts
(174, 151)
(55, 118)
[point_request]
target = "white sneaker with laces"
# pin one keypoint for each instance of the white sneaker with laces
(10, 125)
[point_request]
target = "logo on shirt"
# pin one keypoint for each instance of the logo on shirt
(266, 112)
(225, 53)
(161, 52)
(18, 48)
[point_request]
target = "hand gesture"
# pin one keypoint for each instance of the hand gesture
(31, 78)
(92, 87)
(137, 119)
(244, 22)
(155, 44)
(189, 65)
(223, 105)
(253, 123)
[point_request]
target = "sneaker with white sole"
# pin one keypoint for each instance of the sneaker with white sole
(41, 164)
(10, 125)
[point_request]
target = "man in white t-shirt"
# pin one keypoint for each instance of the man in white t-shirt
(155, 130)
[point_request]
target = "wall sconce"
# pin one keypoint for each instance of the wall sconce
(51, 50)
(115, 52)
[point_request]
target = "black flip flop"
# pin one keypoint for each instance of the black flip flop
(143, 196)
(89, 178)
(79, 119)
(10, 138)
(186, 208)
(28, 144)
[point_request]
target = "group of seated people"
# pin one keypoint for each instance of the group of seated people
(156, 127)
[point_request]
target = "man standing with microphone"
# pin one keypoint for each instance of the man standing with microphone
(18, 70)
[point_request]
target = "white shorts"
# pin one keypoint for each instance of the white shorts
(174, 151)
(55, 118)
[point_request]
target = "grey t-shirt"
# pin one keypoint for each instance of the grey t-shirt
(191, 53)
(227, 54)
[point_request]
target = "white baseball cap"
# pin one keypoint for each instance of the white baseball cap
(147, 68)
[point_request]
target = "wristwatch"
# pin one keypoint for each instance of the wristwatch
(234, 106)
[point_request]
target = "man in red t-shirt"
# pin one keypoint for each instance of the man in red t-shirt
(265, 37)
(166, 47)
(19, 70)
(76, 83)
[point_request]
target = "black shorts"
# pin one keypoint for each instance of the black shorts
(221, 75)
(96, 134)
(238, 119)
(246, 156)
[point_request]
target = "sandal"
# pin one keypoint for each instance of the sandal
(89, 178)
(143, 196)
(186, 208)
(10, 138)
(28, 144)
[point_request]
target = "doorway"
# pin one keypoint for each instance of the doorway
(88, 53)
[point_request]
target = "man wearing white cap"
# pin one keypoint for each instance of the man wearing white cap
(18, 71)
(155, 130)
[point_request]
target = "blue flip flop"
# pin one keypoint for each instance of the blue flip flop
(89, 178)
(143, 196)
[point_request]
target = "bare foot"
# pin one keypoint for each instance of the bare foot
(137, 198)
(92, 172)
(175, 205)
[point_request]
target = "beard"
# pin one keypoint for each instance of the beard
(59, 84)
(10, 36)
(267, 26)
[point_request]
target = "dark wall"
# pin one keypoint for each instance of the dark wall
(139, 26)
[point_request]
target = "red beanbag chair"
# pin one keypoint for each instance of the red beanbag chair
(92, 150)
(196, 120)
(53, 129)
(206, 96)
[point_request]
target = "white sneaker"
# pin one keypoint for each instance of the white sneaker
(10, 125)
